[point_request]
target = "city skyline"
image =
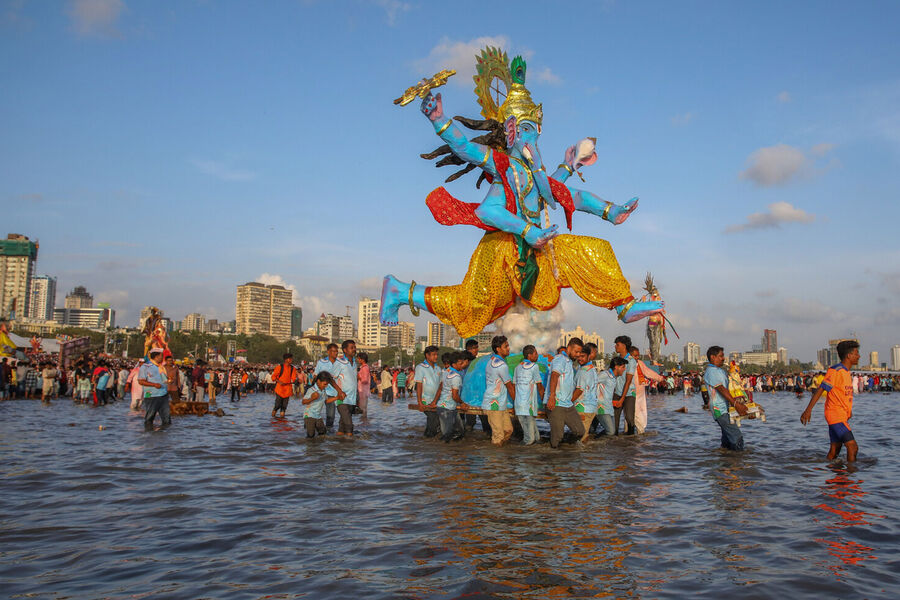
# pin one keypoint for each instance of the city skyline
(748, 159)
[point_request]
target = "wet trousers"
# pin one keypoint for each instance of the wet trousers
(628, 408)
(154, 405)
(560, 418)
(346, 423)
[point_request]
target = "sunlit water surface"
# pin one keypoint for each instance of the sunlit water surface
(244, 506)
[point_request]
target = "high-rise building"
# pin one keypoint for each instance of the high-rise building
(372, 333)
(43, 298)
(692, 353)
(335, 328)
(565, 336)
(212, 326)
(194, 322)
(782, 355)
(769, 341)
(830, 354)
(88, 318)
(264, 309)
(18, 256)
(895, 358)
(873, 359)
(402, 335)
(438, 333)
(296, 321)
(79, 298)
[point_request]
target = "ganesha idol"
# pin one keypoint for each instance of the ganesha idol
(518, 257)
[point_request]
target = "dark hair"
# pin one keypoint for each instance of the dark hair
(494, 138)
(326, 377)
(286, 356)
(497, 341)
(347, 343)
(590, 347)
(844, 348)
(575, 341)
(363, 356)
(560, 349)
(331, 345)
(624, 339)
(634, 349)
(447, 357)
(471, 343)
(617, 361)
(458, 356)
(430, 349)
(712, 351)
(528, 350)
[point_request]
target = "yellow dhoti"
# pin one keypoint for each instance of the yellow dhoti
(491, 285)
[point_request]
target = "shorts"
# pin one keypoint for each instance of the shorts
(281, 403)
(840, 433)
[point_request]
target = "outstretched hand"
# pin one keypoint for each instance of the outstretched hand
(537, 237)
(432, 107)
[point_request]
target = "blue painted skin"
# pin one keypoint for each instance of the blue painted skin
(522, 138)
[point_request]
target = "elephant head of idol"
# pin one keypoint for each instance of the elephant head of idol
(522, 126)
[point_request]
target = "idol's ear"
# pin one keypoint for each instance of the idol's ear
(510, 127)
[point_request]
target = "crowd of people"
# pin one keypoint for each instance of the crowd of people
(581, 397)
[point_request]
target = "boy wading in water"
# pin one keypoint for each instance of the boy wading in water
(838, 385)
(284, 377)
(314, 402)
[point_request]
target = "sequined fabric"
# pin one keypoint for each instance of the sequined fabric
(585, 264)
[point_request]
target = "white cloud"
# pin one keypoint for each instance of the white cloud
(774, 165)
(682, 119)
(778, 213)
(821, 149)
(458, 55)
(314, 306)
(371, 284)
(783, 97)
(95, 17)
(222, 171)
(393, 9)
(779, 164)
(547, 76)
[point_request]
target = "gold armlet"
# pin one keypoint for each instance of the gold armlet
(527, 227)
(626, 309)
(567, 168)
(412, 307)
(445, 126)
(606, 212)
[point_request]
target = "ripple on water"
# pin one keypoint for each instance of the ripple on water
(243, 506)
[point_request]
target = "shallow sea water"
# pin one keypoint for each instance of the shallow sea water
(243, 506)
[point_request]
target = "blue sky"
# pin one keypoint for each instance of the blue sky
(164, 152)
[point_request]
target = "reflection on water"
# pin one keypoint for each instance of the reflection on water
(842, 493)
(245, 507)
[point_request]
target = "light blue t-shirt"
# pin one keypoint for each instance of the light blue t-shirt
(451, 379)
(606, 389)
(347, 378)
(630, 369)
(565, 384)
(496, 376)
(527, 377)
(316, 408)
(329, 367)
(150, 372)
(586, 381)
(103, 380)
(430, 378)
(714, 376)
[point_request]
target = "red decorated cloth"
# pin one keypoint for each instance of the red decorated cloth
(448, 210)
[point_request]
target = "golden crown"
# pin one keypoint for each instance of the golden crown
(492, 68)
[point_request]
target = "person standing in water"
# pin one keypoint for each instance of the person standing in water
(838, 385)
(720, 399)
